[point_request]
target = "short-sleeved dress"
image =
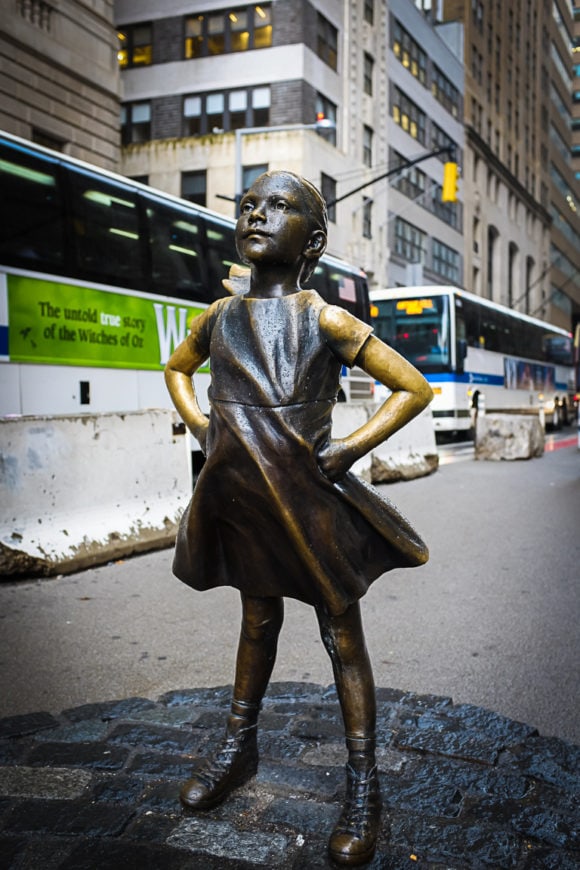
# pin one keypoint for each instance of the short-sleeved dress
(263, 517)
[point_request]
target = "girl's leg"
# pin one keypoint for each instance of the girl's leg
(354, 838)
(236, 759)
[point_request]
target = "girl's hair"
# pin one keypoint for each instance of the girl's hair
(316, 206)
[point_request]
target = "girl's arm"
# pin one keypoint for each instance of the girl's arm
(179, 371)
(410, 394)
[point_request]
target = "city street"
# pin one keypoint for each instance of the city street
(491, 620)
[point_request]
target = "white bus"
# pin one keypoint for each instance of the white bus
(100, 277)
(475, 352)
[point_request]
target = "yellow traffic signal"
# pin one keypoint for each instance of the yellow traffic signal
(450, 173)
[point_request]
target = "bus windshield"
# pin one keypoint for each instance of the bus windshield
(417, 328)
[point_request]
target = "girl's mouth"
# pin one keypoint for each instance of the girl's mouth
(255, 235)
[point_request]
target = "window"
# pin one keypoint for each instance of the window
(47, 140)
(367, 228)
(409, 116)
(226, 110)
(238, 104)
(194, 37)
(327, 109)
(367, 146)
(409, 52)
(215, 105)
(411, 181)
(447, 211)
(240, 29)
(368, 74)
(369, 11)
(442, 140)
(326, 41)
(446, 262)
(135, 46)
(250, 173)
(409, 241)
(135, 122)
(445, 92)
(328, 191)
(194, 186)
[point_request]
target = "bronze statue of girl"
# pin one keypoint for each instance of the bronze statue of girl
(276, 511)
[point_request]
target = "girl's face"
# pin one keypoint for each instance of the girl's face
(274, 224)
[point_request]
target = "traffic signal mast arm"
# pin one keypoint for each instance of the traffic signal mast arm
(446, 149)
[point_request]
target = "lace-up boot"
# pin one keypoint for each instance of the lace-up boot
(354, 839)
(233, 763)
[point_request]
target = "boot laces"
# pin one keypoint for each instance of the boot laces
(223, 758)
(361, 801)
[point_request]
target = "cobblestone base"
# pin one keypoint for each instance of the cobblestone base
(97, 787)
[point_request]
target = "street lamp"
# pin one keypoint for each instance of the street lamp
(322, 125)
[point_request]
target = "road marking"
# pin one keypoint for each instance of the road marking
(555, 445)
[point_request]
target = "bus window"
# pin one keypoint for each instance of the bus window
(558, 349)
(470, 314)
(176, 250)
(105, 231)
(343, 289)
(221, 254)
(418, 329)
(32, 231)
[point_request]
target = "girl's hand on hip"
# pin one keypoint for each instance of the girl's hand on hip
(335, 459)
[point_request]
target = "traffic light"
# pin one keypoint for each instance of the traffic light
(450, 173)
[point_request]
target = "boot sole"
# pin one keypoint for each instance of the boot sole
(353, 860)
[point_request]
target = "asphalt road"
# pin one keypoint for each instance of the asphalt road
(493, 618)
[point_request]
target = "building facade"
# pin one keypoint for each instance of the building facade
(59, 79)
(191, 79)
(425, 234)
(522, 241)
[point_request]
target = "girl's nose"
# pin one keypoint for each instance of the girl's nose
(258, 213)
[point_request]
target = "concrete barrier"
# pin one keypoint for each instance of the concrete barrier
(508, 436)
(409, 453)
(82, 490)
(347, 417)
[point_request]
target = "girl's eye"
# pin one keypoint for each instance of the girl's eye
(247, 206)
(281, 205)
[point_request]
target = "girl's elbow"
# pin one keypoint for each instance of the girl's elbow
(428, 393)
(424, 395)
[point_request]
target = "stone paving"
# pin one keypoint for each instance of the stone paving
(96, 788)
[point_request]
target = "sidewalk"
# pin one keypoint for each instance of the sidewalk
(96, 788)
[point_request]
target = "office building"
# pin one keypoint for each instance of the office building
(194, 74)
(522, 231)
